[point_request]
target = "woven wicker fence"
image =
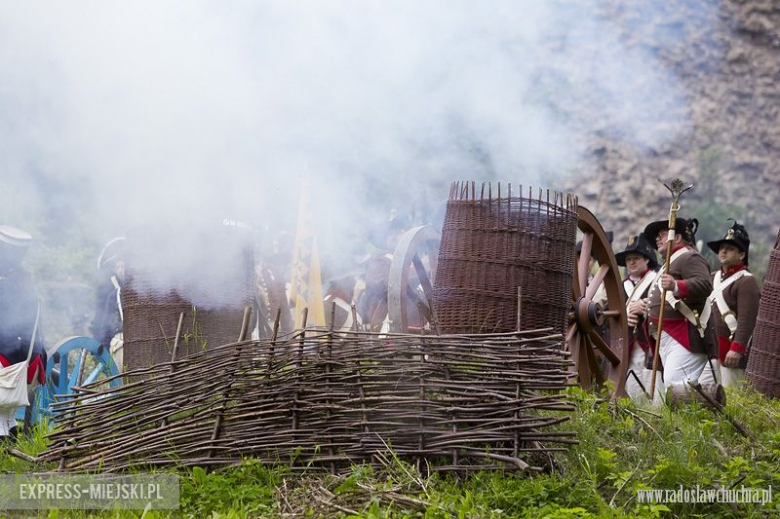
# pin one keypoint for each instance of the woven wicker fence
(763, 369)
(496, 245)
(324, 400)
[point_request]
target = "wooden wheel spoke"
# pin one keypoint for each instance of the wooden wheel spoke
(613, 314)
(422, 275)
(423, 313)
(603, 347)
(418, 301)
(575, 286)
(570, 332)
(593, 362)
(96, 372)
(593, 286)
(74, 374)
(579, 356)
(584, 261)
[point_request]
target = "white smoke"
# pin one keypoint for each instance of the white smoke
(167, 114)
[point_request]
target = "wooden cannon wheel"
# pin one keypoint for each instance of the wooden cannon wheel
(74, 363)
(597, 337)
(412, 274)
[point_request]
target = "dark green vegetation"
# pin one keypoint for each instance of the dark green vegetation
(623, 448)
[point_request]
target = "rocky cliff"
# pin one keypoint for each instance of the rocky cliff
(726, 56)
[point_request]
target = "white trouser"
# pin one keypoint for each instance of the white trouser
(8, 415)
(7, 420)
(731, 377)
(660, 387)
(117, 350)
(681, 365)
(712, 373)
(637, 365)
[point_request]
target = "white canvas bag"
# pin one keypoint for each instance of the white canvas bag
(13, 379)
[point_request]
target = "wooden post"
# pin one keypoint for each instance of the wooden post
(172, 369)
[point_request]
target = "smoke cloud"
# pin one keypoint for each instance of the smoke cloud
(170, 115)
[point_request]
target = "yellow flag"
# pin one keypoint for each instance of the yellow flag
(306, 286)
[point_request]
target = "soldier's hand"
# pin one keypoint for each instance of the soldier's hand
(732, 359)
(632, 320)
(637, 307)
(667, 282)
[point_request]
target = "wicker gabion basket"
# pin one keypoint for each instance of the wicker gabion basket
(500, 248)
(763, 369)
(211, 291)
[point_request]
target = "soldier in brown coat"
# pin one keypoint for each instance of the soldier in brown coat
(734, 300)
(686, 338)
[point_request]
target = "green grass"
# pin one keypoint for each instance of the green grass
(623, 448)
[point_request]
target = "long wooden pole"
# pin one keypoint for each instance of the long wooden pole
(677, 189)
(668, 253)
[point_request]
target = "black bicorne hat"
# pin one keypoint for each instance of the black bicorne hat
(638, 244)
(682, 226)
(737, 236)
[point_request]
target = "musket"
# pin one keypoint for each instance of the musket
(676, 189)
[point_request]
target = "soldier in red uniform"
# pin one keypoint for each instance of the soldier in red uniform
(687, 339)
(734, 301)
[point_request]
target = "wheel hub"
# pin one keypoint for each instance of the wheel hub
(588, 314)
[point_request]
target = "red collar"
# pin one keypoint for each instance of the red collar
(732, 270)
(640, 277)
(681, 245)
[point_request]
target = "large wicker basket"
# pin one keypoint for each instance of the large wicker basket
(763, 369)
(212, 291)
(497, 245)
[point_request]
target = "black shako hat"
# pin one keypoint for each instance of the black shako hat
(737, 236)
(638, 245)
(682, 226)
